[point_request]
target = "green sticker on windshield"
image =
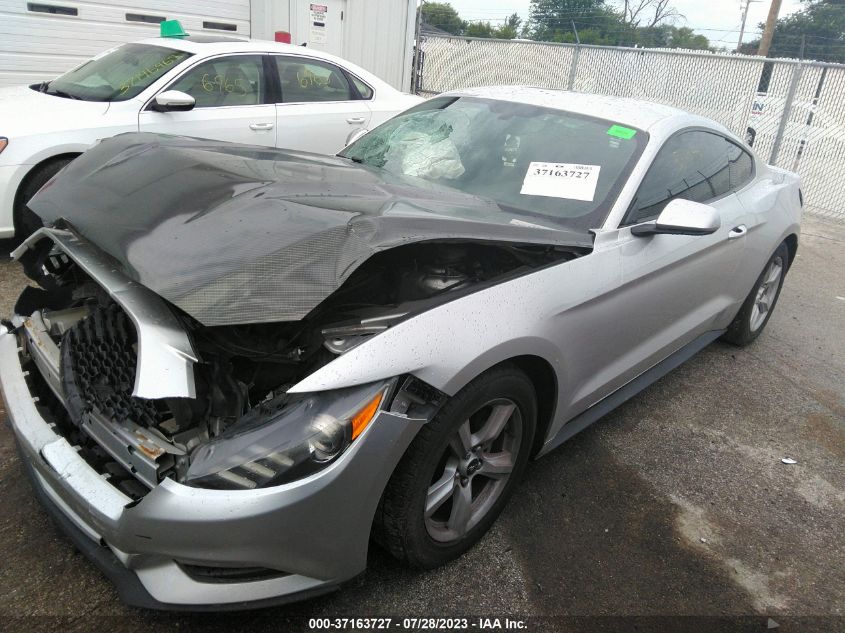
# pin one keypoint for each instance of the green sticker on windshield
(621, 132)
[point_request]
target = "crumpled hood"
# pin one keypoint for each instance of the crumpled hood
(242, 234)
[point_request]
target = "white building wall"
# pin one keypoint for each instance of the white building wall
(36, 46)
(379, 35)
(269, 16)
(376, 34)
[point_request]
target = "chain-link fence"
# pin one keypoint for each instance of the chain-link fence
(791, 112)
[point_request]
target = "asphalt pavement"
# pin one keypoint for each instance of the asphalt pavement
(676, 504)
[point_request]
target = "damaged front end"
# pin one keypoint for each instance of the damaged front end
(149, 393)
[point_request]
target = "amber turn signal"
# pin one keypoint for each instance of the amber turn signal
(361, 419)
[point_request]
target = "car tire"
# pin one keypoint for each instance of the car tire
(26, 221)
(492, 423)
(760, 303)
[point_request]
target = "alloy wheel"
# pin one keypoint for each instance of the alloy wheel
(766, 294)
(474, 470)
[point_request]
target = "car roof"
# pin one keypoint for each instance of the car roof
(632, 112)
(221, 44)
(210, 44)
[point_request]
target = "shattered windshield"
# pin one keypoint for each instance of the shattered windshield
(116, 75)
(541, 166)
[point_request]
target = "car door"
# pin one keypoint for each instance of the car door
(321, 106)
(233, 102)
(672, 288)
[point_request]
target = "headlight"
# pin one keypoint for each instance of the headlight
(3, 143)
(275, 444)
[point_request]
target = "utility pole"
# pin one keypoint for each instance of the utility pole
(766, 40)
(744, 18)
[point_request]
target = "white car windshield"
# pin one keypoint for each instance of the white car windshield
(540, 165)
(116, 75)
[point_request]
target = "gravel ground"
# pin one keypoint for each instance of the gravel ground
(676, 504)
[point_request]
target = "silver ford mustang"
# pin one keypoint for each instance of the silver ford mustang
(240, 364)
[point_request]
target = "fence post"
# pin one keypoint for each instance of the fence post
(787, 110)
(573, 68)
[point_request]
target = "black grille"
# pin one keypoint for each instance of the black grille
(52, 410)
(98, 369)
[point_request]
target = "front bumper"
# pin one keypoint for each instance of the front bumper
(315, 531)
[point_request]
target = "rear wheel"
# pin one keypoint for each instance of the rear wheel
(760, 303)
(26, 221)
(459, 471)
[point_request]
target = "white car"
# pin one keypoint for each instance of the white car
(255, 92)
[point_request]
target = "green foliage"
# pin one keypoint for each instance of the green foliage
(479, 29)
(442, 15)
(510, 29)
(822, 25)
(597, 22)
(507, 31)
(668, 36)
(600, 23)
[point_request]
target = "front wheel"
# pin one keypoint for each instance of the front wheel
(459, 471)
(26, 221)
(760, 303)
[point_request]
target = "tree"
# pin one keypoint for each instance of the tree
(442, 15)
(510, 29)
(624, 23)
(552, 20)
(507, 31)
(685, 37)
(479, 29)
(822, 25)
(636, 22)
(648, 13)
(668, 36)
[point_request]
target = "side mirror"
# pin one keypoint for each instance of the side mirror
(682, 217)
(173, 101)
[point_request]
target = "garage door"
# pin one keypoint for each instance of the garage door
(42, 39)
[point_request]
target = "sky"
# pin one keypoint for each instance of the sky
(719, 20)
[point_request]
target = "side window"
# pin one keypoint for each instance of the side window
(363, 89)
(741, 167)
(305, 81)
(237, 80)
(693, 165)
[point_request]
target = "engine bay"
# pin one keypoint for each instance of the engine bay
(242, 369)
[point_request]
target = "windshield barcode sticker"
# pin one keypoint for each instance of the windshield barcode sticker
(561, 180)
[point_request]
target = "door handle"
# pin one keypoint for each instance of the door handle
(737, 231)
(355, 120)
(260, 126)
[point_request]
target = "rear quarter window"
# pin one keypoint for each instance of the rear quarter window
(695, 165)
